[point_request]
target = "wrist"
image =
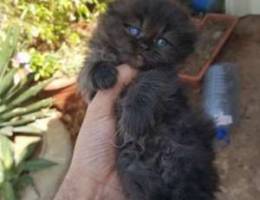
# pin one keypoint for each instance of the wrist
(77, 186)
(81, 187)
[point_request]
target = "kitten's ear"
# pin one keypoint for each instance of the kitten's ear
(189, 30)
(183, 5)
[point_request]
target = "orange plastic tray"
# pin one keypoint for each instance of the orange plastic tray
(194, 80)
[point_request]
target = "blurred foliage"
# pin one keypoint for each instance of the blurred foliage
(46, 26)
(18, 107)
(15, 168)
(19, 112)
(47, 23)
(50, 41)
(45, 64)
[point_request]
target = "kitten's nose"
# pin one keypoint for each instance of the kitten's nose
(144, 46)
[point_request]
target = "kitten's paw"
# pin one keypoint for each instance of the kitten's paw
(104, 76)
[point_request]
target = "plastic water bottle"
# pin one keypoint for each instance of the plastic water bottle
(221, 99)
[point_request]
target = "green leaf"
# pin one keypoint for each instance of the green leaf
(7, 48)
(37, 165)
(31, 92)
(28, 109)
(26, 119)
(6, 152)
(24, 181)
(3, 108)
(26, 153)
(7, 82)
(7, 131)
(2, 173)
(17, 122)
(29, 129)
(16, 90)
(7, 191)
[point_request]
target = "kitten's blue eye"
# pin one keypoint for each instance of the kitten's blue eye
(161, 43)
(134, 31)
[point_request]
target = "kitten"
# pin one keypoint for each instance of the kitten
(165, 148)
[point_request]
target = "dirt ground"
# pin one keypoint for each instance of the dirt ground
(239, 163)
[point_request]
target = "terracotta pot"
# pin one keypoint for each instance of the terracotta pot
(62, 95)
(62, 90)
(72, 106)
(60, 83)
(230, 22)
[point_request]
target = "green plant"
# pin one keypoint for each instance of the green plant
(47, 26)
(18, 112)
(45, 64)
(16, 105)
(15, 168)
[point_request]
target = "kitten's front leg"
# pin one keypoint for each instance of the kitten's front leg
(103, 75)
(144, 102)
(97, 76)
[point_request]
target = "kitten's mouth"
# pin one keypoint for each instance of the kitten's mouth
(136, 62)
(142, 63)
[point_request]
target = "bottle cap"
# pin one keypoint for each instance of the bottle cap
(221, 133)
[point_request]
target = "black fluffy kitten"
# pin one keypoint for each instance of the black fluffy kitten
(165, 148)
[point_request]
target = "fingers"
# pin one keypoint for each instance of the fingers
(104, 100)
(125, 76)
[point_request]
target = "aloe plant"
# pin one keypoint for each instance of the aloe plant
(15, 169)
(19, 109)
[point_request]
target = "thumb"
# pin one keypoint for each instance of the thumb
(104, 100)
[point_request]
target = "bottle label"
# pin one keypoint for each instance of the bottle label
(223, 120)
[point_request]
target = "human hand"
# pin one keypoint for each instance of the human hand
(92, 174)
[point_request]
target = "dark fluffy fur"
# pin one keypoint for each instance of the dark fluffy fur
(165, 148)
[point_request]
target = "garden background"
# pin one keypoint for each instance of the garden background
(40, 42)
